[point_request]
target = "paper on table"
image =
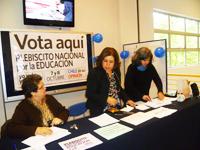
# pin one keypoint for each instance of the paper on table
(162, 112)
(172, 99)
(103, 120)
(141, 107)
(112, 131)
(35, 148)
(137, 118)
(139, 102)
(155, 103)
(39, 140)
(82, 142)
(127, 108)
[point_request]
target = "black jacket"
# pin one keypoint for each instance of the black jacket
(137, 83)
(98, 88)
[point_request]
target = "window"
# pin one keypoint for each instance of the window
(158, 36)
(177, 41)
(192, 57)
(177, 58)
(177, 24)
(161, 21)
(191, 26)
(191, 42)
(182, 35)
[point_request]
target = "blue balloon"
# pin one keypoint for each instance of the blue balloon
(159, 52)
(124, 54)
(97, 38)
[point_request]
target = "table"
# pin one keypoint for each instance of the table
(179, 131)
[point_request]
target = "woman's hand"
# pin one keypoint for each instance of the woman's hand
(146, 97)
(161, 96)
(131, 103)
(56, 121)
(43, 131)
(112, 101)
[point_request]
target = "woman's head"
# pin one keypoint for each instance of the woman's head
(143, 56)
(108, 59)
(33, 84)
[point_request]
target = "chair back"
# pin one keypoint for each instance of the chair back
(77, 109)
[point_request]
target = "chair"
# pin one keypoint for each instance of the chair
(77, 109)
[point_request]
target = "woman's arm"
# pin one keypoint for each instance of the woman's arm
(158, 82)
(57, 109)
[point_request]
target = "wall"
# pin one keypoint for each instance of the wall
(188, 8)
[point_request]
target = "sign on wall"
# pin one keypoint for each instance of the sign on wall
(62, 59)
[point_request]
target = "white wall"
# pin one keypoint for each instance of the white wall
(128, 21)
(188, 8)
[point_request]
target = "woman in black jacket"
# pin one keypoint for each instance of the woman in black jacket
(140, 74)
(104, 84)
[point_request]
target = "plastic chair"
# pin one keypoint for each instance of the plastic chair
(77, 109)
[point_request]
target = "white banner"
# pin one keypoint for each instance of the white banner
(60, 58)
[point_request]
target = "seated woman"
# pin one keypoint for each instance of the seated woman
(36, 112)
(104, 84)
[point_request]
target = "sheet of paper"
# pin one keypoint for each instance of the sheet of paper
(112, 131)
(127, 108)
(35, 148)
(155, 103)
(103, 120)
(82, 142)
(141, 107)
(137, 118)
(172, 99)
(162, 112)
(139, 102)
(39, 140)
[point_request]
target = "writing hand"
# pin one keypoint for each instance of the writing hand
(131, 103)
(43, 131)
(146, 98)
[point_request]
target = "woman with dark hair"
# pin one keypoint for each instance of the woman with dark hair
(104, 89)
(36, 113)
(140, 75)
